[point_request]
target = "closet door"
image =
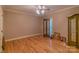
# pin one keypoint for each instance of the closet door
(73, 31)
(1, 34)
(1, 28)
(78, 31)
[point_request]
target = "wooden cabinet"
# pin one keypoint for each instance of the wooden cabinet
(73, 30)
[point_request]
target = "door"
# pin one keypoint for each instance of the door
(72, 31)
(51, 27)
(1, 34)
(45, 27)
(1, 28)
(78, 31)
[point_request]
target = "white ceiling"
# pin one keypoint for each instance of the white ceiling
(31, 8)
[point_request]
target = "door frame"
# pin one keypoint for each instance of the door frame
(1, 30)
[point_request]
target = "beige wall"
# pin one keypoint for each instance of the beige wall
(16, 25)
(60, 20)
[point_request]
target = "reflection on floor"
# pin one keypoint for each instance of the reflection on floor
(38, 44)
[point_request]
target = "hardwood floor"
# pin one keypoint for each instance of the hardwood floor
(37, 44)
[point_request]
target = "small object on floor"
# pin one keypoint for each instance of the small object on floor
(63, 39)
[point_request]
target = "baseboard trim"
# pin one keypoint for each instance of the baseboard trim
(23, 37)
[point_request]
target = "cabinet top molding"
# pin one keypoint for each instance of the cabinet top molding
(75, 15)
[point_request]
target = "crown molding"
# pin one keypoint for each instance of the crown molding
(56, 11)
(13, 10)
(1, 11)
(18, 12)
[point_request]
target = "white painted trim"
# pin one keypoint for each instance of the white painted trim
(23, 37)
(0, 49)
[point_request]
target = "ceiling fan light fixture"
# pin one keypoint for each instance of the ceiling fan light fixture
(42, 11)
(43, 7)
(37, 11)
(39, 7)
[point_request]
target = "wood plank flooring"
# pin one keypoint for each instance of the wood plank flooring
(37, 44)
